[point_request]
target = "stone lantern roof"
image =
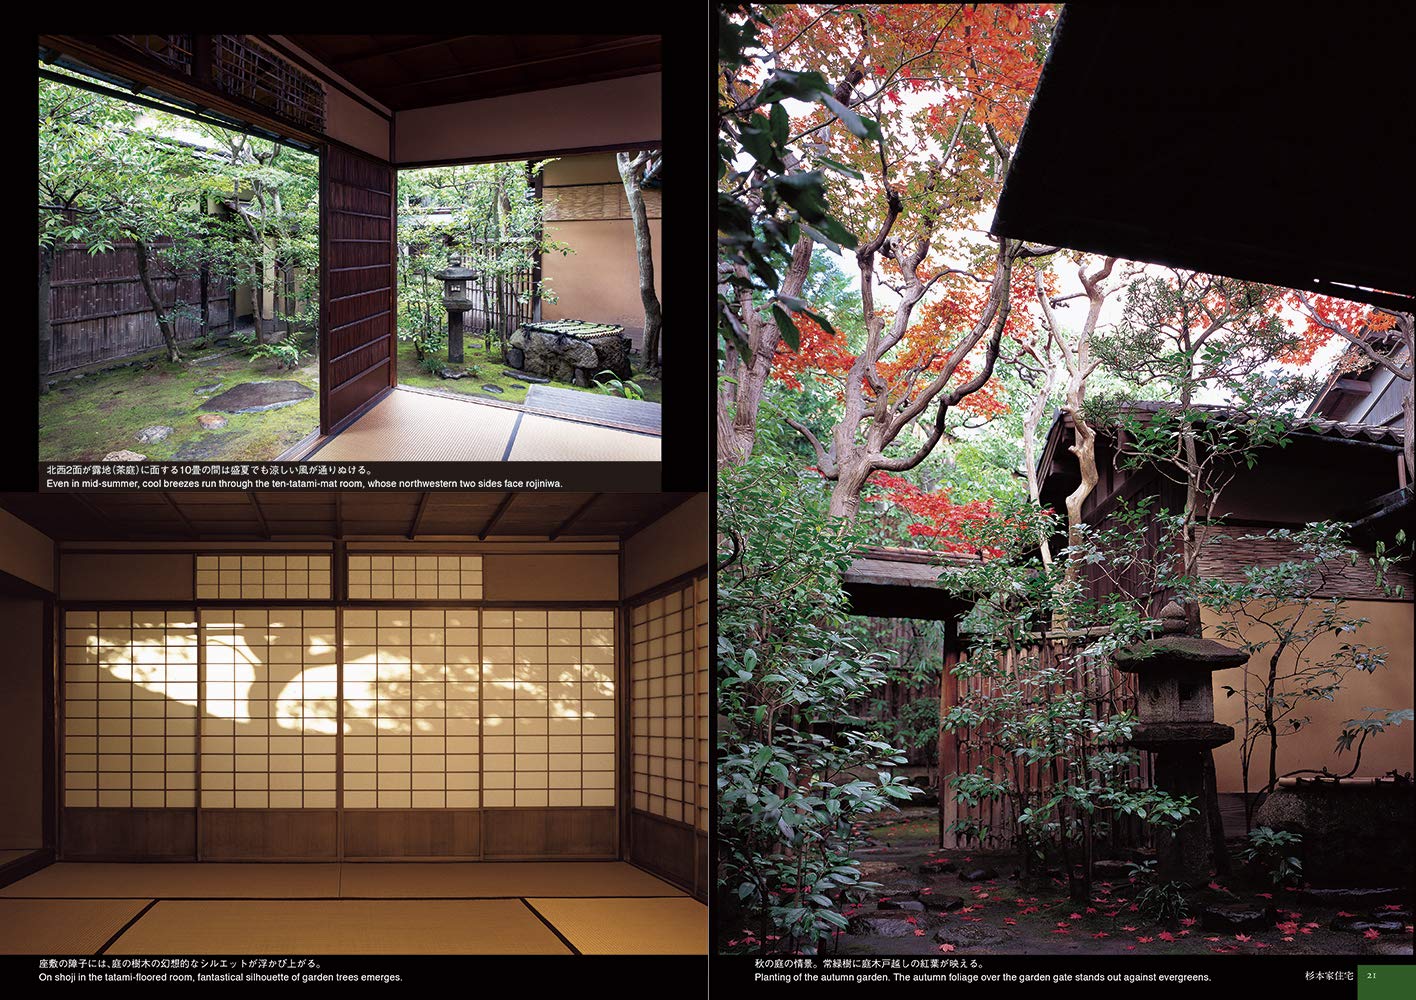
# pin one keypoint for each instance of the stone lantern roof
(1176, 651)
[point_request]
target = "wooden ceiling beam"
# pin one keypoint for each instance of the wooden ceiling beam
(526, 63)
(418, 517)
(565, 525)
(496, 516)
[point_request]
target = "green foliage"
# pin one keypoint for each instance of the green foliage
(1160, 900)
(1269, 849)
(764, 201)
(287, 353)
(487, 216)
(795, 767)
(1032, 696)
(615, 386)
(915, 726)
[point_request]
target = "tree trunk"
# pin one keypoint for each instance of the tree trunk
(643, 250)
(46, 265)
(168, 336)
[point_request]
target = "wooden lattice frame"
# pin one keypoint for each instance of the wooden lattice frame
(172, 50)
(243, 68)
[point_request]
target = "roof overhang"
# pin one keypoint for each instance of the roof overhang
(1231, 140)
(904, 583)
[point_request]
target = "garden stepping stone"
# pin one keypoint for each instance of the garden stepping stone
(151, 435)
(978, 875)
(253, 397)
(1237, 917)
(1110, 871)
(901, 904)
(942, 904)
(883, 925)
(525, 377)
(211, 421)
(124, 456)
(452, 373)
(206, 390)
(1351, 899)
(494, 388)
(940, 867)
(1360, 925)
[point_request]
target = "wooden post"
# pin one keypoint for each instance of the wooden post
(948, 694)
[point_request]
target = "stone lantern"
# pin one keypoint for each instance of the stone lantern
(456, 301)
(1176, 723)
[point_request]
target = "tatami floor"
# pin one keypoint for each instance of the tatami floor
(485, 908)
(410, 425)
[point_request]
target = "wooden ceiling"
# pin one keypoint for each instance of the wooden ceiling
(208, 515)
(417, 71)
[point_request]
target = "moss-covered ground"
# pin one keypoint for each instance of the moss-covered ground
(84, 419)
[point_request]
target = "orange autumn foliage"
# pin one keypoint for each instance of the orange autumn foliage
(940, 518)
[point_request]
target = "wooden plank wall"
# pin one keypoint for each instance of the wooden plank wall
(357, 227)
(965, 750)
(99, 312)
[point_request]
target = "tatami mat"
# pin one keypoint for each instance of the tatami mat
(629, 926)
(62, 926)
(419, 427)
(491, 878)
(339, 927)
(544, 439)
(179, 881)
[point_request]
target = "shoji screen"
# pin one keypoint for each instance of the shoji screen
(703, 697)
(670, 700)
(130, 708)
(411, 709)
(270, 699)
(664, 706)
(548, 680)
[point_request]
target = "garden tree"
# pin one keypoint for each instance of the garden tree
(271, 228)
(1046, 701)
(767, 210)
(926, 169)
(634, 169)
(486, 214)
(1287, 616)
(1375, 336)
(796, 767)
(1184, 335)
(1074, 352)
(74, 135)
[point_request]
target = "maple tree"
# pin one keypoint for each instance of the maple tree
(907, 185)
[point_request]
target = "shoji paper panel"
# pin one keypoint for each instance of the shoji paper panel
(702, 695)
(669, 704)
(548, 682)
(411, 709)
(130, 708)
(414, 578)
(270, 691)
(263, 577)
